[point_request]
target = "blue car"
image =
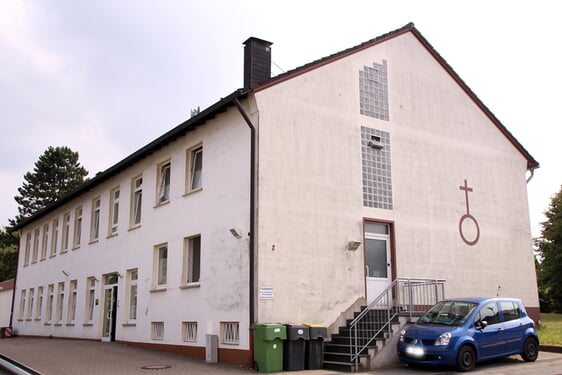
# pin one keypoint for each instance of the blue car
(463, 331)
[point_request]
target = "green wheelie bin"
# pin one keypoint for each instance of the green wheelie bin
(268, 346)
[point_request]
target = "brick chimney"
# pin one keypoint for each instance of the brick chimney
(257, 61)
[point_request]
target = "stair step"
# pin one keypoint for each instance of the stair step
(339, 366)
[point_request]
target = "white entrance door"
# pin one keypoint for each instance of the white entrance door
(109, 308)
(377, 259)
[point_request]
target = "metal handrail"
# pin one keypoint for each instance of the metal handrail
(403, 296)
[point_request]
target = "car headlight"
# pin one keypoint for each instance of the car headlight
(443, 340)
(402, 333)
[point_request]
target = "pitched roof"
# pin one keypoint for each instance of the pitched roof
(7, 284)
(409, 28)
(223, 104)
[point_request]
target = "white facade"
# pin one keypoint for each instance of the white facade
(432, 167)
(6, 293)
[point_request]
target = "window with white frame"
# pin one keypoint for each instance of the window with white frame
(36, 245)
(189, 331)
(50, 303)
(136, 201)
(39, 306)
(95, 221)
(60, 302)
(230, 333)
(71, 312)
(191, 260)
(157, 331)
(160, 272)
(114, 211)
(77, 227)
(54, 237)
(131, 310)
(27, 249)
(90, 299)
(163, 181)
(30, 304)
(65, 232)
(45, 242)
(195, 172)
(22, 304)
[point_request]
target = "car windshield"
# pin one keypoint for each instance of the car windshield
(452, 313)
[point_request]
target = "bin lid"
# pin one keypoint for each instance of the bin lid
(270, 331)
(297, 331)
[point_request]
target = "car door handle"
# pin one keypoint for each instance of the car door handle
(500, 329)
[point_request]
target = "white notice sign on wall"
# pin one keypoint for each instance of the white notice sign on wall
(267, 292)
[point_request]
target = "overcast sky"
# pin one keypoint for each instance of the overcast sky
(106, 77)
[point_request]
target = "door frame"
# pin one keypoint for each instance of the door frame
(113, 324)
(392, 239)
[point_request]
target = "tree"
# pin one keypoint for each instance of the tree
(56, 173)
(549, 248)
(8, 255)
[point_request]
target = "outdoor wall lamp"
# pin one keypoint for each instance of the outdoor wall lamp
(236, 233)
(65, 273)
(353, 245)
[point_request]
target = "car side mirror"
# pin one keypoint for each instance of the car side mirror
(481, 325)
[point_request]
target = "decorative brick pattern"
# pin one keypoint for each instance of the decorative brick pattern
(373, 91)
(377, 179)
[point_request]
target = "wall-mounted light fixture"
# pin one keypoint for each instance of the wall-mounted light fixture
(95, 278)
(353, 245)
(65, 273)
(236, 233)
(119, 274)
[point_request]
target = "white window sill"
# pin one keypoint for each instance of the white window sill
(160, 204)
(129, 324)
(137, 226)
(193, 191)
(158, 290)
(190, 285)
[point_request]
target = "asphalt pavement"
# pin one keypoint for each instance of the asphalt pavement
(77, 357)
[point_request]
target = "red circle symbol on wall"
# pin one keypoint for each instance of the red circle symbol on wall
(467, 218)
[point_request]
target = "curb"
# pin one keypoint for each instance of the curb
(550, 348)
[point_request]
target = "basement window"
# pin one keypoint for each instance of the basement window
(230, 333)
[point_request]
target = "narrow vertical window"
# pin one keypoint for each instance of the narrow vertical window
(27, 249)
(50, 303)
(90, 299)
(39, 307)
(136, 203)
(35, 246)
(60, 302)
(192, 260)
(163, 188)
(55, 237)
(30, 304)
(113, 211)
(22, 304)
(71, 314)
(45, 242)
(160, 272)
(95, 222)
(77, 227)
(65, 232)
(195, 157)
(132, 278)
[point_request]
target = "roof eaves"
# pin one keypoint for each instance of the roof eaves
(187, 126)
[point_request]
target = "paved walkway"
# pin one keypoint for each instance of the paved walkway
(79, 357)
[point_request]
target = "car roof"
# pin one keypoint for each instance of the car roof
(480, 299)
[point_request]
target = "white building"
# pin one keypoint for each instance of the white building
(247, 211)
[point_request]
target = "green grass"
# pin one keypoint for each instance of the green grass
(550, 332)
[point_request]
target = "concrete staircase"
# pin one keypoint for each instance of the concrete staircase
(339, 351)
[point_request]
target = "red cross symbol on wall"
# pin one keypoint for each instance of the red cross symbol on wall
(468, 216)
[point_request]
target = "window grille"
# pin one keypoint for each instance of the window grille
(190, 331)
(157, 331)
(230, 333)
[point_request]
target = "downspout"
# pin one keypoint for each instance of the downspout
(15, 284)
(252, 202)
(532, 170)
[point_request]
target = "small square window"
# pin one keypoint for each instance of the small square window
(189, 331)
(157, 331)
(230, 333)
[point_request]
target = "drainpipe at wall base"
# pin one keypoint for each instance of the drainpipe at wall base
(252, 210)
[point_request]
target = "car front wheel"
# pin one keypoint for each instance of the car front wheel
(466, 359)
(530, 350)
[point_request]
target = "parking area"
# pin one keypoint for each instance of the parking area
(61, 357)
